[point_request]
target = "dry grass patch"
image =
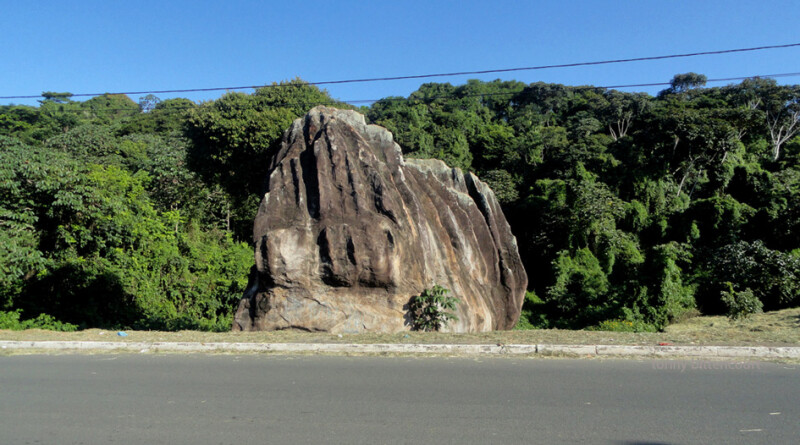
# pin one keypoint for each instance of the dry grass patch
(778, 327)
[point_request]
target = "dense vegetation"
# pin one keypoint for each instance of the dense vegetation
(630, 211)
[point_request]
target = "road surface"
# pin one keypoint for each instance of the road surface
(270, 399)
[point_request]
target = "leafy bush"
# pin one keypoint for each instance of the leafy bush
(741, 304)
(11, 320)
(115, 260)
(772, 276)
(432, 310)
(669, 296)
(533, 314)
(580, 288)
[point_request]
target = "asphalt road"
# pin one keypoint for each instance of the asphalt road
(269, 399)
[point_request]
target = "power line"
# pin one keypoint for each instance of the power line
(566, 65)
(724, 79)
(432, 98)
(428, 76)
(588, 87)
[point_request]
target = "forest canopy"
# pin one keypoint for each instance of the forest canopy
(626, 207)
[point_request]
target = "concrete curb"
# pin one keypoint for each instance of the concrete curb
(739, 352)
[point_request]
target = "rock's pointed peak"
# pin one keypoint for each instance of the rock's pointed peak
(322, 113)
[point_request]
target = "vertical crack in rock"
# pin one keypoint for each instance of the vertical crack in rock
(377, 193)
(351, 251)
(308, 165)
(351, 182)
(294, 163)
(328, 272)
(344, 239)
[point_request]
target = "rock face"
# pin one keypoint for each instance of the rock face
(349, 231)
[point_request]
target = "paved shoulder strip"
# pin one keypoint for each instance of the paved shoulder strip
(433, 349)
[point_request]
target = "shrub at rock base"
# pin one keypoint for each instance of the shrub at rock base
(433, 309)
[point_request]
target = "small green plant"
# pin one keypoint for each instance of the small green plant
(741, 304)
(433, 309)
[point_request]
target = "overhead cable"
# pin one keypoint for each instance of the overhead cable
(426, 76)
(433, 98)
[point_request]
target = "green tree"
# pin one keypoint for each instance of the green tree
(772, 276)
(683, 83)
(59, 98)
(165, 117)
(622, 110)
(580, 290)
(18, 121)
(149, 102)
(108, 108)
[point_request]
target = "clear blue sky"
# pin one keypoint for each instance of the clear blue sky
(111, 46)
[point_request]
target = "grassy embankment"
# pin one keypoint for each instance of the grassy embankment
(779, 328)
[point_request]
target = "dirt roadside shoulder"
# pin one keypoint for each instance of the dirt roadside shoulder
(770, 335)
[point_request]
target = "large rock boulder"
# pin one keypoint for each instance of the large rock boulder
(349, 231)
